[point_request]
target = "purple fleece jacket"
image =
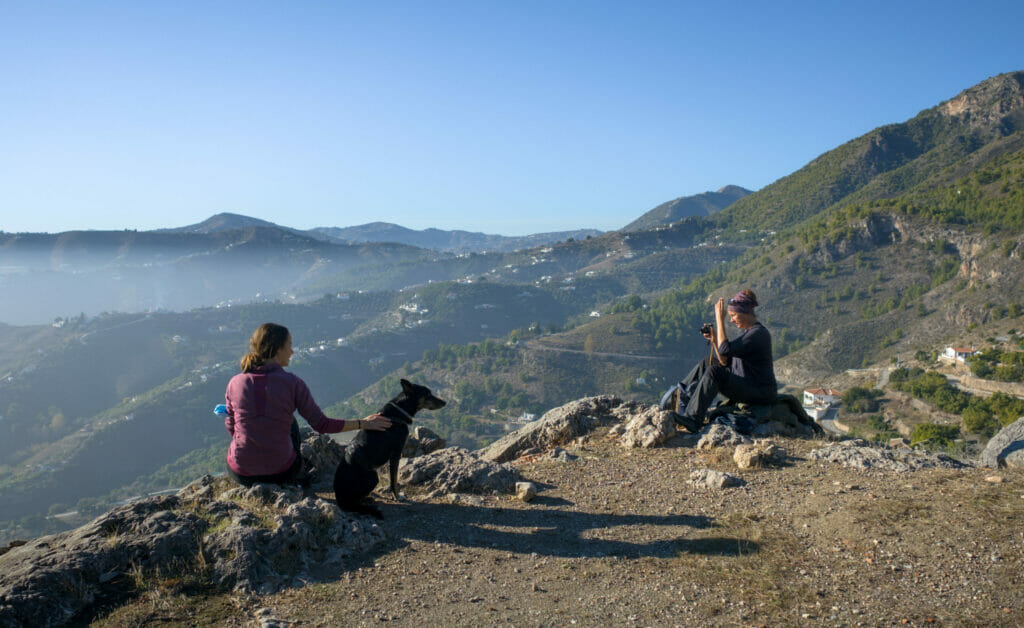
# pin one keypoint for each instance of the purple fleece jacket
(260, 408)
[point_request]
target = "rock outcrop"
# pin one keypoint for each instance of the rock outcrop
(1006, 448)
(650, 427)
(719, 435)
(457, 470)
(251, 539)
(560, 426)
(266, 537)
(858, 454)
(320, 456)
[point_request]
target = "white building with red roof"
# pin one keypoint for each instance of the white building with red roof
(957, 354)
(822, 396)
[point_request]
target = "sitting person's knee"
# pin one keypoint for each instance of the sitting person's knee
(718, 373)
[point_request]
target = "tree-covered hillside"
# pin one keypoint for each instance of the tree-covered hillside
(890, 160)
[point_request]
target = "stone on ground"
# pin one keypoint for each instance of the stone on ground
(713, 480)
(422, 441)
(526, 491)
(761, 453)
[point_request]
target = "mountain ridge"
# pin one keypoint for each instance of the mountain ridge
(702, 205)
(448, 240)
(889, 159)
(455, 241)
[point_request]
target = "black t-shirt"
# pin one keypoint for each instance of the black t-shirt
(750, 356)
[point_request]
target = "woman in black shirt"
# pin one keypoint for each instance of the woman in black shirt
(742, 369)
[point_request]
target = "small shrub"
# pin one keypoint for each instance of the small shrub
(934, 435)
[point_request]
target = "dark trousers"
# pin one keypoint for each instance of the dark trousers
(715, 378)
(285, 477)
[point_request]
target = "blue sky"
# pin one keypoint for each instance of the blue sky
(503, 117)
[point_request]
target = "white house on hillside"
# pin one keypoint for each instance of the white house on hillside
(822, 396)
(957, 354)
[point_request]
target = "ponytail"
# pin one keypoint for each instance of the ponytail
(250, 361)
(266, 341)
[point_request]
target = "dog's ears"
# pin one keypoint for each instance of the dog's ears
(406, 386)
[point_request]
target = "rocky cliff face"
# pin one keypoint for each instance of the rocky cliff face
(996, 102)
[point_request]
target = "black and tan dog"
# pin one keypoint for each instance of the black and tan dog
(356, 476)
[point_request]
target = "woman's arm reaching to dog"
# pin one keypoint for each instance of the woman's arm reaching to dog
(324, 424)
(374, 422)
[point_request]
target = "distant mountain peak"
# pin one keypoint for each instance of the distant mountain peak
(733, 189)
(224, 221)
(988, 102)
(703, 204)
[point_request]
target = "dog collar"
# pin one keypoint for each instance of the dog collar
(400, 409)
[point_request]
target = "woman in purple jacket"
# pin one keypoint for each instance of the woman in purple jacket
(260, 404)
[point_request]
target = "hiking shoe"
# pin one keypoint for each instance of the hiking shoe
(691, 424)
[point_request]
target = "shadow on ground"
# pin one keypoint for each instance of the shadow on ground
(551, 532)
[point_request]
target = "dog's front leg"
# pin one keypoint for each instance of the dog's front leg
(393, 469)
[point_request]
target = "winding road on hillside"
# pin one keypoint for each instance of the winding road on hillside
(533, 344)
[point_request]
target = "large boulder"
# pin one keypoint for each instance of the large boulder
(456, 470)
(785, 417)
(49, 580)
(254, 539)
(720, 435)
(1006, 449)
(650, 427)
(560, 426)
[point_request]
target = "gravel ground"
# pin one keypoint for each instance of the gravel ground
(620, 538)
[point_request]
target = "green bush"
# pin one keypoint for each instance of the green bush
(882, 429)
(980, 415)
(979, 420)
(860, 399)
(934, 435)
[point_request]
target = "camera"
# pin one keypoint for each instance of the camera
(706, 329)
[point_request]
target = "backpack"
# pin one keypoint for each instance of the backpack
(676, 397)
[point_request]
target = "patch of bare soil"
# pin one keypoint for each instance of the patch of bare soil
(619, 537)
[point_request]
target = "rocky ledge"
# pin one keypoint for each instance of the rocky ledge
(266, 538)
